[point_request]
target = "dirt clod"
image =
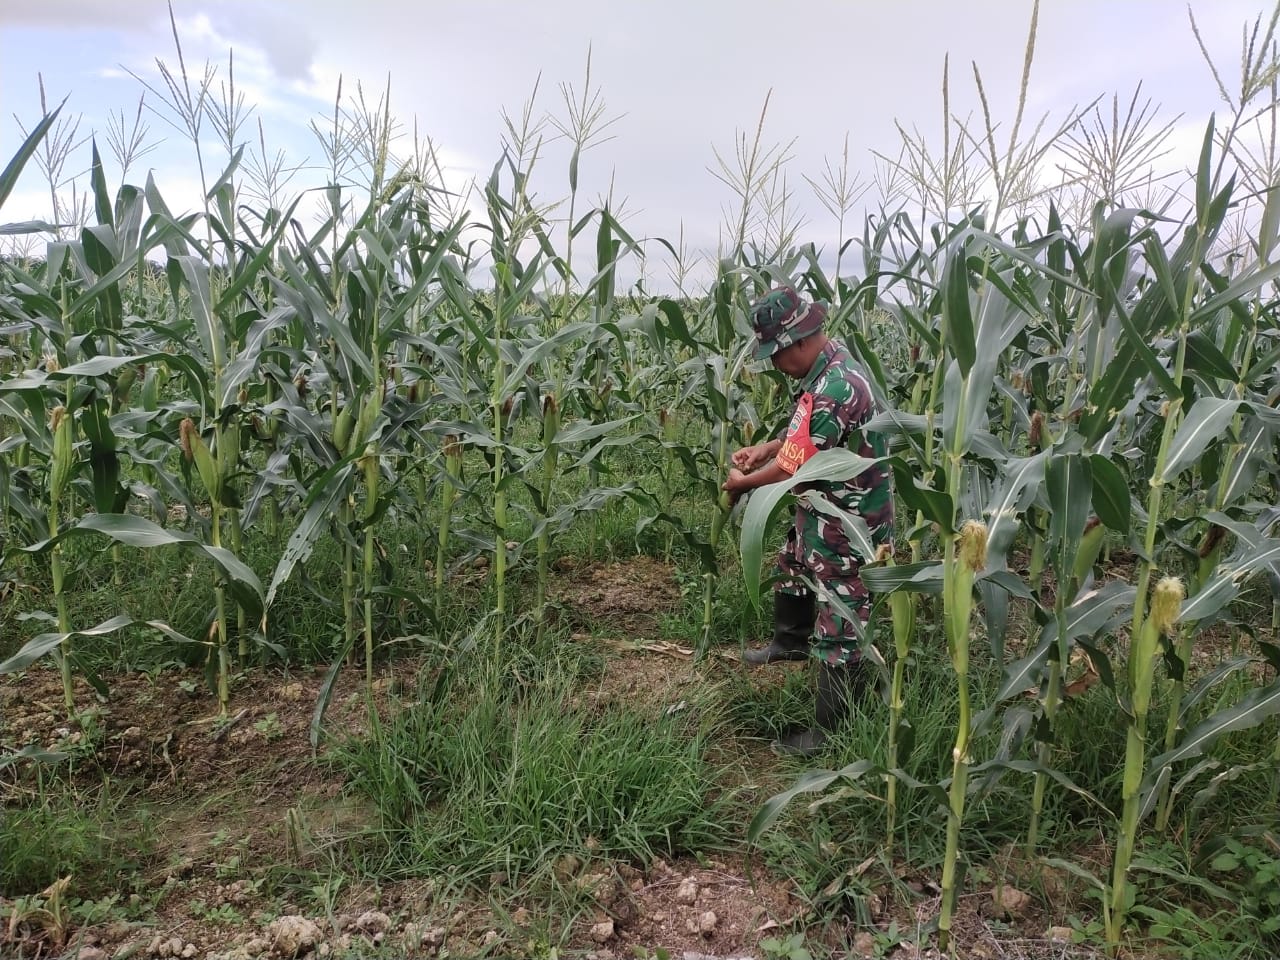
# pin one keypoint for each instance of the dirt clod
(688, 891)
(707, 923)
(373, 922)
(421, 936)
(1010, 901)
(293, 935)
(567, 867)
(602, 932)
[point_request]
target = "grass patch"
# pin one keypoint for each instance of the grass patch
(502, 766)
(95, 836)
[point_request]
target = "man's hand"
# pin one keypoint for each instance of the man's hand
(737, 483)
(753, 457)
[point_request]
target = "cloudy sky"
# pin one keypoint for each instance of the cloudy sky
(683, 78)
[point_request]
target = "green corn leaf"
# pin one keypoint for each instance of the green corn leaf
(828, 465)
(98, 180)
(855, 528)
(1269, 227)
(137, 531)
(431, 269)
(174, 243)
(326, 692)
(1022, 479)
(319, 318)
(956, 313)
(208, 327)
(1138, 344)
(130, 205)
(317, 510)
(103, 365)
(171, 634)
(1204, 356)
(1007, 581)
(1031, 766)
(936, 506)
(1023, 674)
(590, 502)
(866, 355)
(676, 328)
(38, 646)
(995, 615)
(1112, 501)
(907, 317)
(813, 781)
(106, 283)
(248, 274)
(225, 177)
(1224, 584)
(90, 674)
(1209, 681)
(1091, 613)
(583, 430)
(25, 227)
(98, 244)
(249, 358)
(1210, 790)
(1111, 252)
(1251, 535)
(551, 346)
(1094, 611)
(108, 495)
(13, 169)
(1238, 310)
(1206, 421)
(1077, 871)
(1069, 485)
(1253, 451)
(1252, 709)
(922, 577)
(1204, 178)
(954, 394)
(1112, 392)
(31, 752)
(1239, 288)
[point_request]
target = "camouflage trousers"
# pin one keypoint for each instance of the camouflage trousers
(840, 591)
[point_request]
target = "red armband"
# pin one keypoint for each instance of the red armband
(797, 446)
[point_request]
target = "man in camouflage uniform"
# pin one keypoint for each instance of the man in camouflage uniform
(833, 404)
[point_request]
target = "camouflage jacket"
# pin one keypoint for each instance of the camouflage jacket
(833, 404)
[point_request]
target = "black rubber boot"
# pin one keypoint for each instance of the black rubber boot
(793, 619)
(838, 688)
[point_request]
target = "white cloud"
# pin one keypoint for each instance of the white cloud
(80, 14)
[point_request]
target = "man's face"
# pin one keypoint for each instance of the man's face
(793, 360)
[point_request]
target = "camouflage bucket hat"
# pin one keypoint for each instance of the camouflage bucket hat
(782, 317)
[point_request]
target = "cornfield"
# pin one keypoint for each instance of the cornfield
(427, 393)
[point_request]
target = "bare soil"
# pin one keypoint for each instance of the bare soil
(626, 599)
